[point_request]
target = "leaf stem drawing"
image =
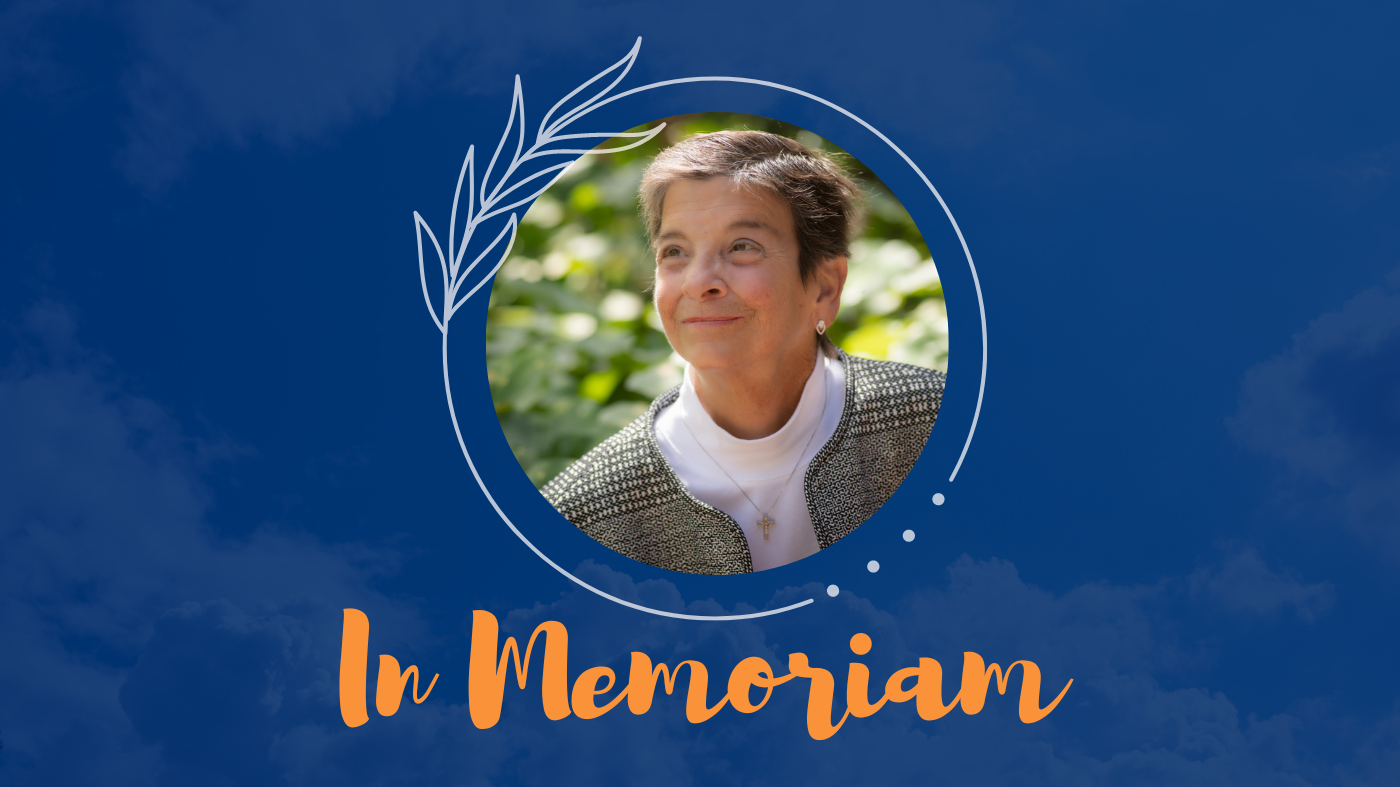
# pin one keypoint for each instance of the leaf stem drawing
(520, 182)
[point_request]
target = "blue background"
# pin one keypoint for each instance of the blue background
(222, 420)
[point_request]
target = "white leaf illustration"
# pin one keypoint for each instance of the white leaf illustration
(625, 64)
(519, 181)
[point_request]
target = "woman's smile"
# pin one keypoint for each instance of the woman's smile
(708, 321)
(728, 288)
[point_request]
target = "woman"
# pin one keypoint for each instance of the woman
(776, 444)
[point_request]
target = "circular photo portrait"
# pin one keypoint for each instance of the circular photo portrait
(720, 352)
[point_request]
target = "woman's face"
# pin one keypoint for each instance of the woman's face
(728, 287)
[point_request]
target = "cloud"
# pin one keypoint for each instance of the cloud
(284, 71)
(231, 671)
(102, 508)
(1243, 583)
(293, 70)
(199, 76)
(1119, 723)
(1329, 410)
(141, 648)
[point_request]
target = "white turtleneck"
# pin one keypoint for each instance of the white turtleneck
(760, 466)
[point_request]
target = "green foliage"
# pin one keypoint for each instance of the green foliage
(574, 348)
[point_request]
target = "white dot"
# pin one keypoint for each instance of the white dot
(908, 535)
(832, 590)
(938, 498)
(873, 565)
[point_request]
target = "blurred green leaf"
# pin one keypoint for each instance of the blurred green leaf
(574, 349)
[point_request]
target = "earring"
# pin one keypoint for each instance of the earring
(821, 327)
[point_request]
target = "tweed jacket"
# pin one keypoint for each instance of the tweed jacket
(626, 496)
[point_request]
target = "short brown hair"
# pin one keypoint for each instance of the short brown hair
(822, 197)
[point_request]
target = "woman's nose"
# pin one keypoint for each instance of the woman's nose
(704, 279)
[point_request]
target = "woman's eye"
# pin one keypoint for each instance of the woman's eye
(743, 245)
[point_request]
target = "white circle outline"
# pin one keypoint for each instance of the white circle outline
(981, 307)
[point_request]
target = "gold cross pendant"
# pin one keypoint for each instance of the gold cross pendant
(766, 523)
